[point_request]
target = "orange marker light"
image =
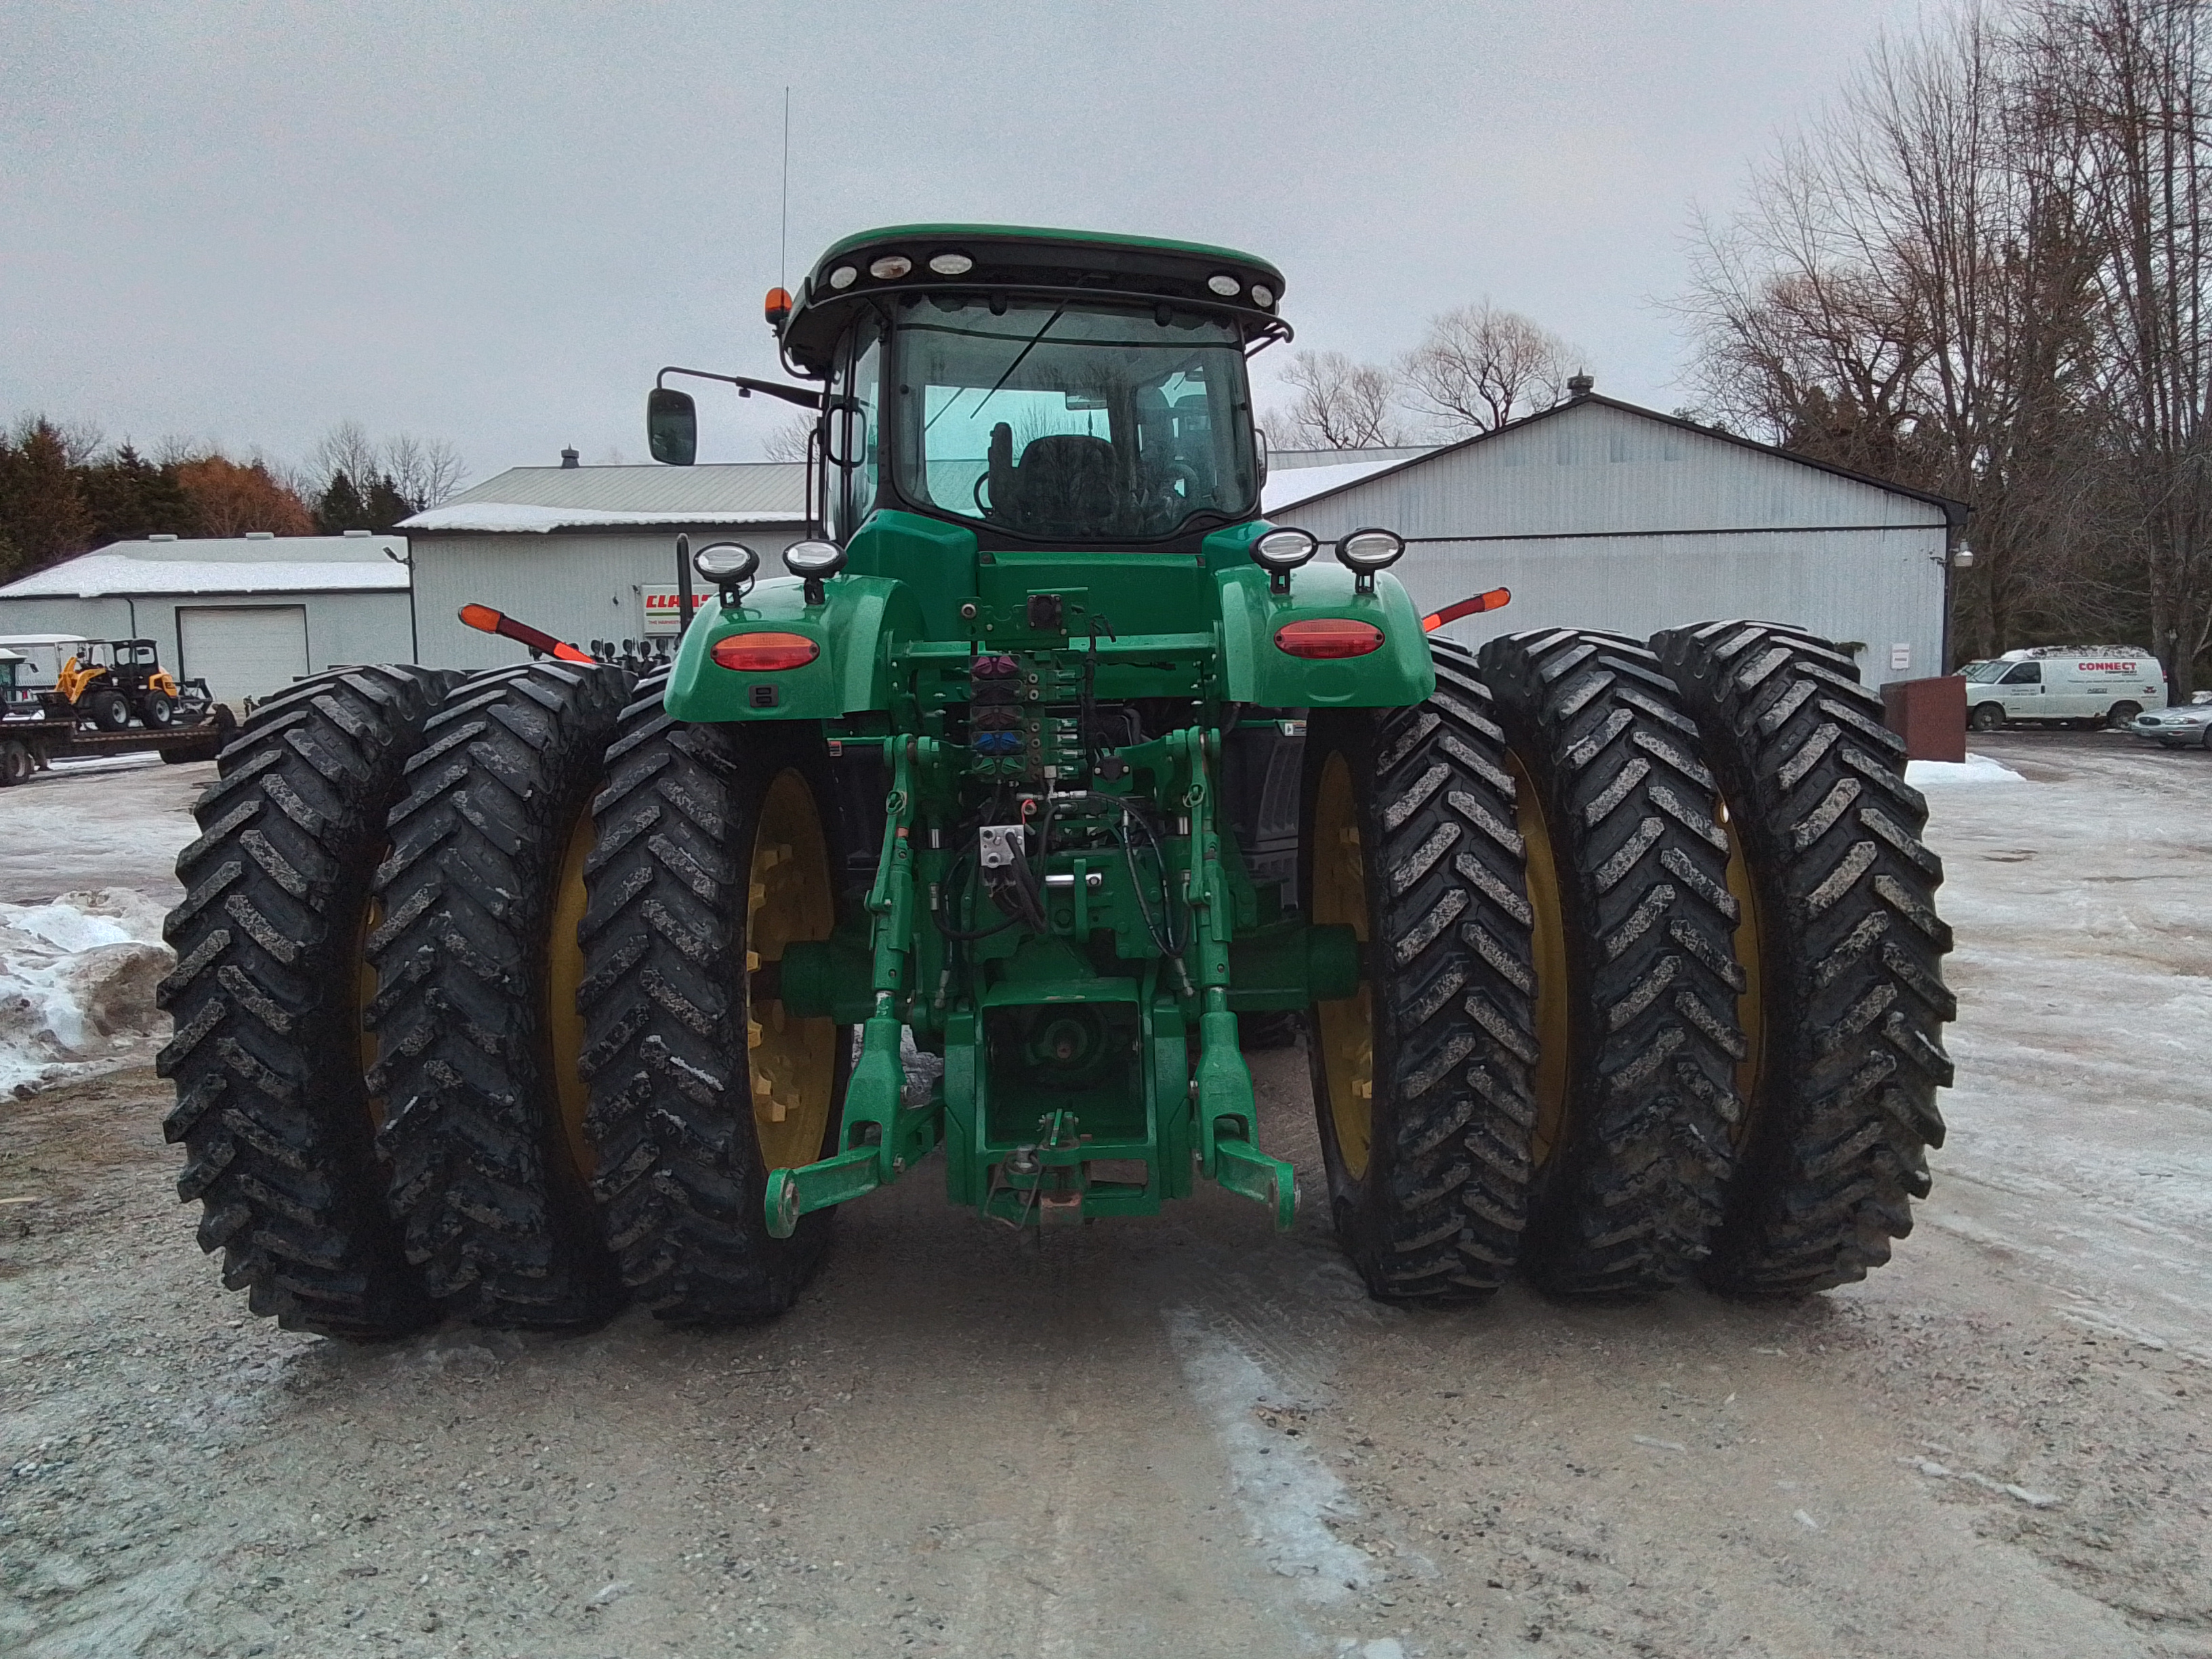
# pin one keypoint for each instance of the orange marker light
(1496, 599)
(485, 620)
(1329, 636)
(778, 306)
(764, 654)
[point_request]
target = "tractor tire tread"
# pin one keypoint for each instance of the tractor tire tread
(1630, 1195)
(662, 1000)
(1852, 951)
(501, 1228)
(1441, 1217)
(271, 1107)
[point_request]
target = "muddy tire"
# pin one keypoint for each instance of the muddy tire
(686, 1124)
(1636, 1098)
(268, 1053)
(1851, 1002)
(475, 965)
(1257, 1033)
(1427, 1168)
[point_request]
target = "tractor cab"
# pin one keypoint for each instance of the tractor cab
(1038, 390)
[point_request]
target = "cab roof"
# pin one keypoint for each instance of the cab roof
(1065, 263)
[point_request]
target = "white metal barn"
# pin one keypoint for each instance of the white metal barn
(249, 614)
(1597, 513)
(587, 552)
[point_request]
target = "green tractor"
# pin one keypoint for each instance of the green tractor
(518, 994)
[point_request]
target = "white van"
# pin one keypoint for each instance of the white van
(2084, 684)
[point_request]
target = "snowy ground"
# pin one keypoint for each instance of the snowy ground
(88, 856)
(113, 821)
(1190, 1435)
(2081, 1125)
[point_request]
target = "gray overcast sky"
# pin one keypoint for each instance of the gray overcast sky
(491, 223)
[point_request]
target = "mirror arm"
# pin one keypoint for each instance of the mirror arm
(803, 396)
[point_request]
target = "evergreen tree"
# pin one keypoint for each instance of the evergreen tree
(386, 507)
(340, 508)
(43, 515)
(130, 498)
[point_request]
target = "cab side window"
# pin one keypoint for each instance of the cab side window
(2028, 673)
(854, 429)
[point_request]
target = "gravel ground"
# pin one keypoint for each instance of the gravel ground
(1190, 1435)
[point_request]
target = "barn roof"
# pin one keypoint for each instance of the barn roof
(538, 499)
(1333, 480)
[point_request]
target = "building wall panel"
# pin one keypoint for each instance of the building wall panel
(577, 586)
(1850, 561)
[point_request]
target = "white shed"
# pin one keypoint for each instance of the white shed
(1597, 513)
(248, 614)
(587, 552)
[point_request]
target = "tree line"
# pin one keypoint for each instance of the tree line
(65, 491)
(1987, 271)
(1477, 367)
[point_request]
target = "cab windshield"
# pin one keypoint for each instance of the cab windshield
(1983, 672)
(1072, 422)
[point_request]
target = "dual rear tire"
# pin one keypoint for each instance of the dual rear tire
(1653, 982)
(398, 900)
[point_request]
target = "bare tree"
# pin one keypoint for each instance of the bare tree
(788, 442)
(2141, 95)
(347, 448)
(1481, 365)
(1337, 404)
(426, 471)
(1911, 292)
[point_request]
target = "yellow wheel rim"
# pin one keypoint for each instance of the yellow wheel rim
(1751, 1002)
(793, 1063)
(1554, 1036)
(564, 977)
(1346, 1025)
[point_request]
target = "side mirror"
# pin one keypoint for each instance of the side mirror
(671, 426)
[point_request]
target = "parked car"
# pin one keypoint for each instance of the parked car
(2177, 727)
(2074, 684)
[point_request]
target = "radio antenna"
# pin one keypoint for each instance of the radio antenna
(783, 237)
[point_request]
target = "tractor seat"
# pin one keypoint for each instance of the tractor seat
(1066, 483)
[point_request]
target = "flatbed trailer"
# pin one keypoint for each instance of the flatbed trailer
(28, 746)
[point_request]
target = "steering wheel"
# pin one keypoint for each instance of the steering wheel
(981, 506)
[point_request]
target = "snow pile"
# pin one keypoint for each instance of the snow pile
(1975, 768)
(77, 984)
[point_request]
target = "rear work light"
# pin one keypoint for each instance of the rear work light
(1328, 637)
(763, 654)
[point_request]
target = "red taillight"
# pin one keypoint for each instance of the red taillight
(763, 654)
(1328, 637)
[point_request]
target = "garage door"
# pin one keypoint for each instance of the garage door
(243, 651)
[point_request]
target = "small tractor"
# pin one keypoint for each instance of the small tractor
(113, 682)
(517, 995)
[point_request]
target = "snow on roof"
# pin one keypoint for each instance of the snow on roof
(542, 498)
(95, 575)
(516, 516)
(1287, 489)
(347, 548)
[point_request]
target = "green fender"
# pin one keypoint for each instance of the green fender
(855, 626)
(1256, 670)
